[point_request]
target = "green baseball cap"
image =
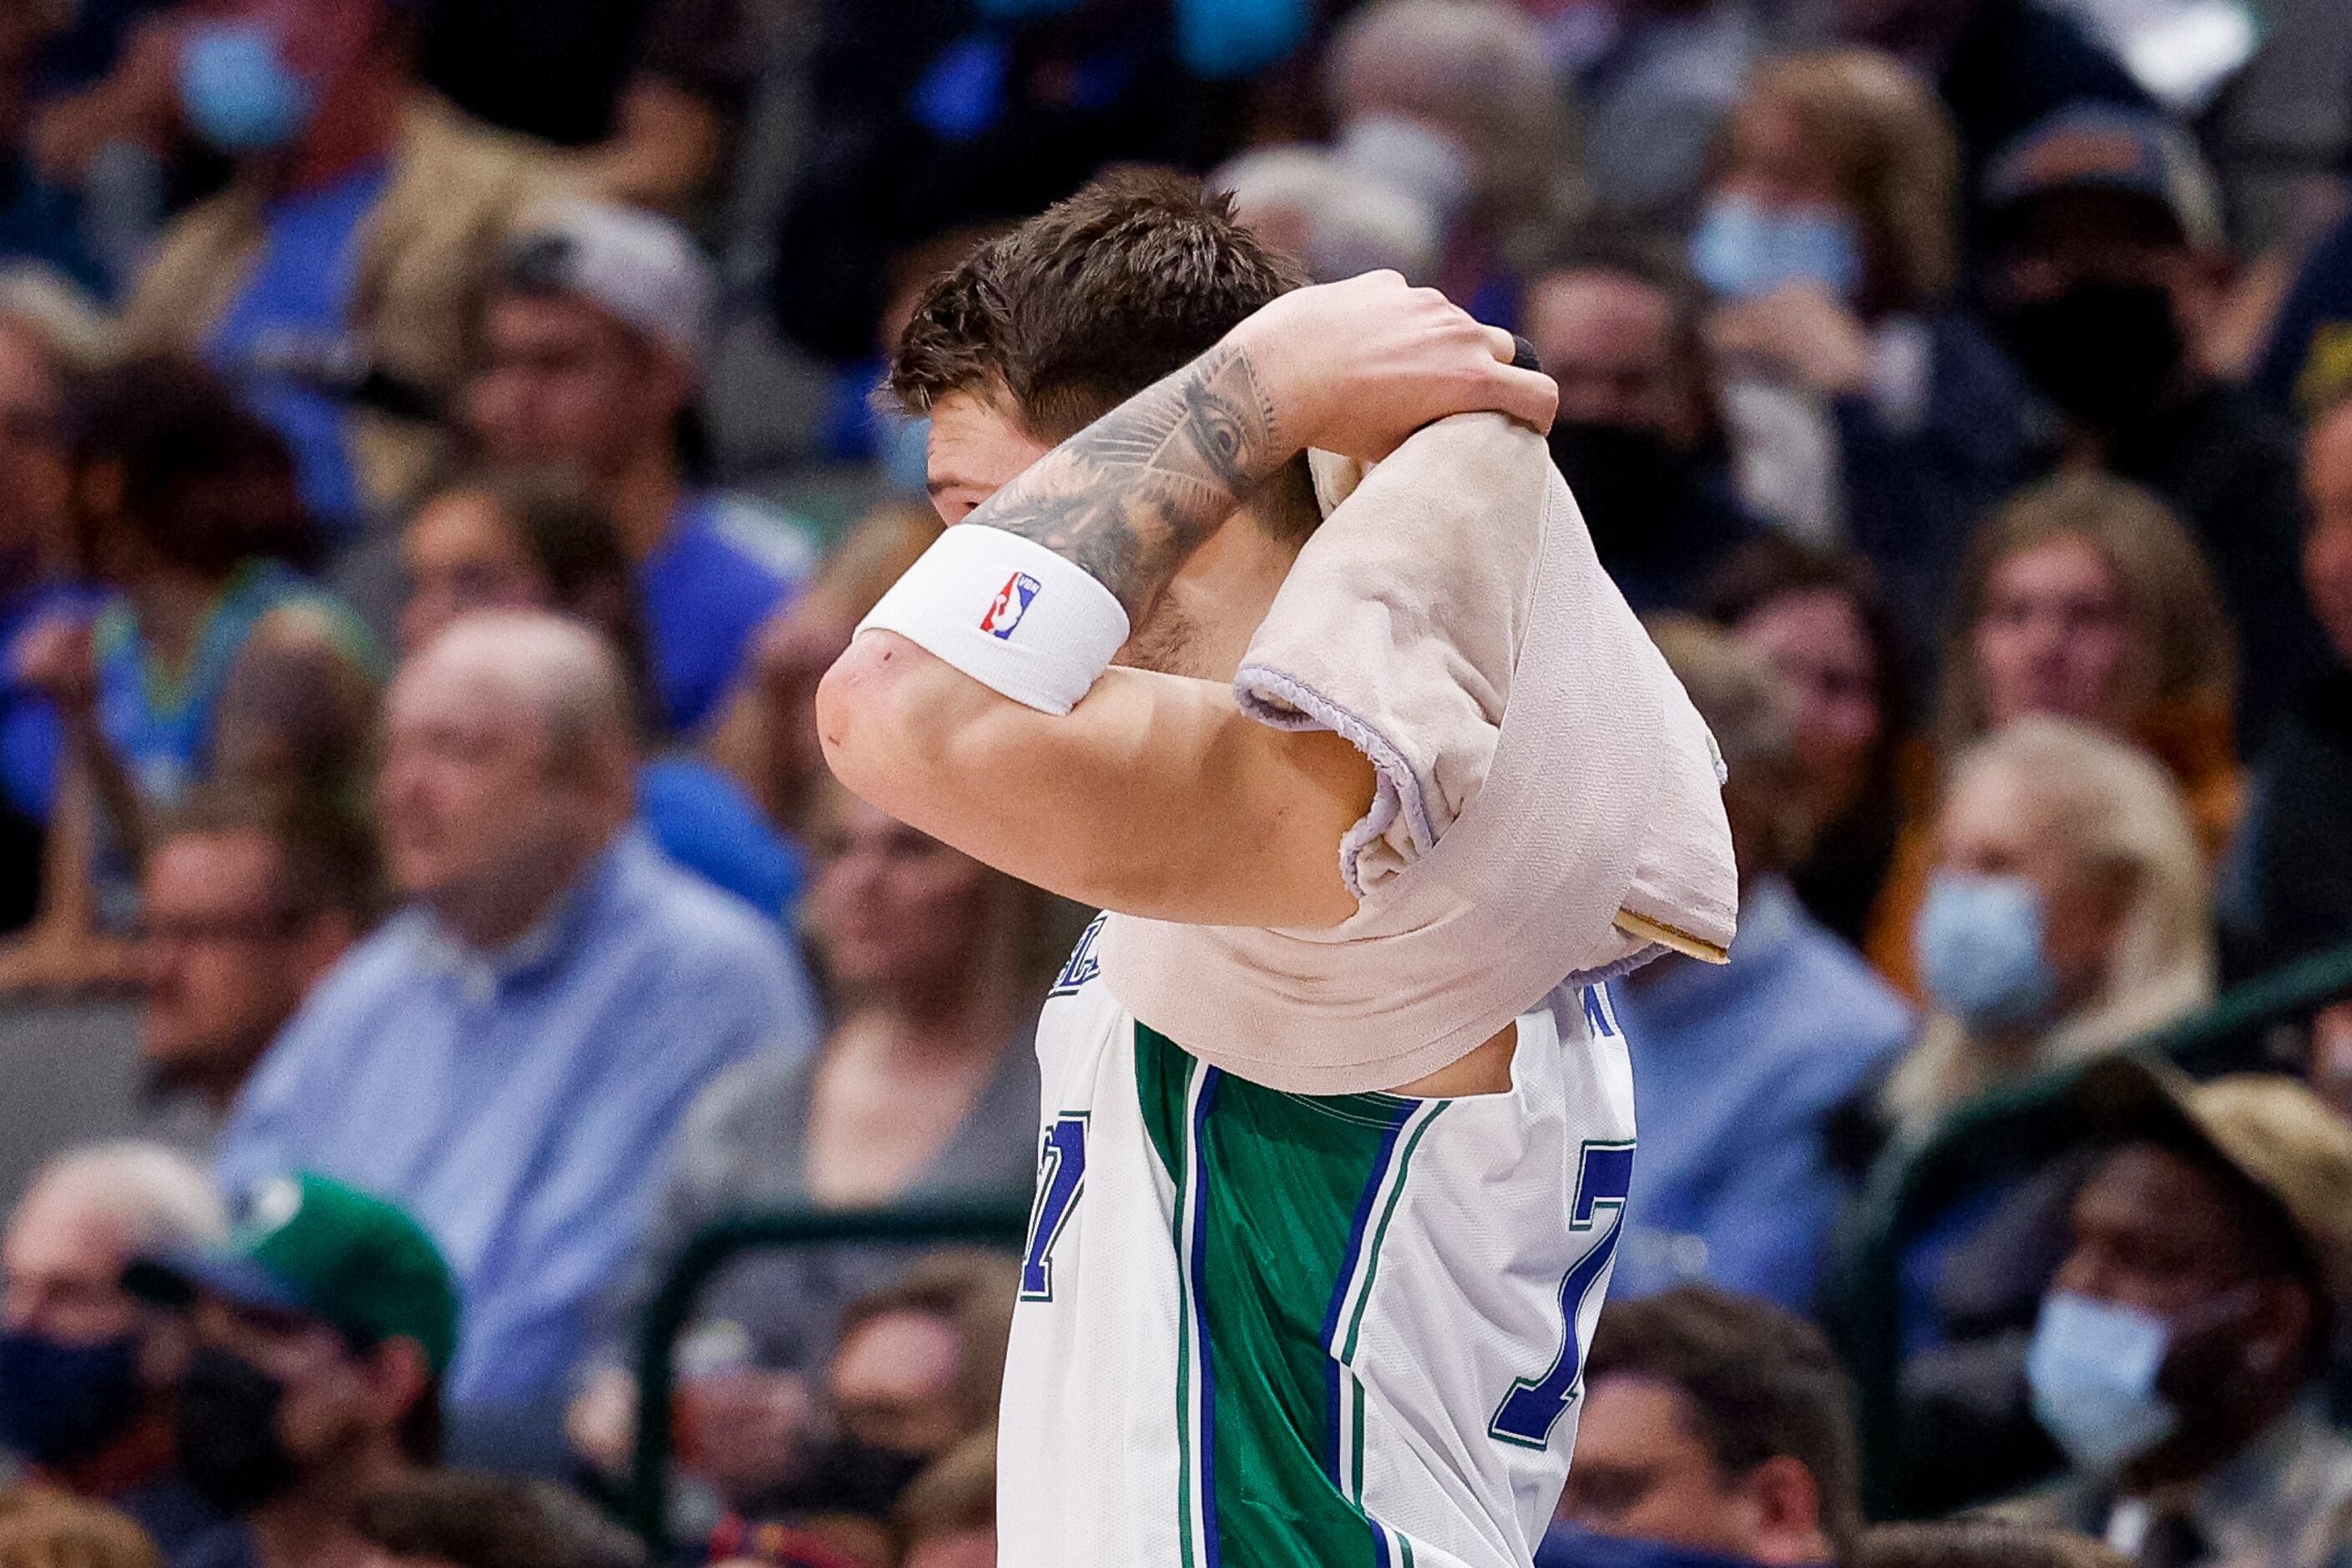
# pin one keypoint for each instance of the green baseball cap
(306, 1244)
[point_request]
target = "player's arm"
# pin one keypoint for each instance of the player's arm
(1154, 794)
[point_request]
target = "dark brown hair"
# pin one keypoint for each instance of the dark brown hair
(202, 485)
(492, 1522)
(1758, 1382)
(1089, 302)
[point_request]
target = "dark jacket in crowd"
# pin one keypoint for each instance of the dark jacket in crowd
(2229, 467)
(2288, 886)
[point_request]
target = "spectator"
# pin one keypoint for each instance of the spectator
(2289, 886)
(1981, 1543)
(768, 739)
(1864, 406)
(1817, 616)
(1615, 320)
(2179, 1352)
(2085, 599)
(2066, 914)
(644, 93)
(450, 1519)
(520, 540)
(248, 903)
(1457, 105)
(316, 1340)
(216, 660)
(925, 1087)
(2001, 66)
(947, 1516)
(335, 281)
(595, 343)
(1740, 1066)
(1334, 221)
(43, 1529)
(1713, 1423)
(74, 1402)
(508, 1056)
(2106, 256)
(918, 1370)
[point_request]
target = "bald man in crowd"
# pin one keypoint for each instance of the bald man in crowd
(509, 1055)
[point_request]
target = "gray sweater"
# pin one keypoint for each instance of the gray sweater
(744, 1146)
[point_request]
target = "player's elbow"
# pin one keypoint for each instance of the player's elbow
(876, 713)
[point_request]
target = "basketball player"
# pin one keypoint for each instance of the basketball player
(1255, 1328)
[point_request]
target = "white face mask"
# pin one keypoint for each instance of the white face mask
(1433, 167)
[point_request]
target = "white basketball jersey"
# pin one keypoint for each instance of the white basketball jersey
(1271, 1329)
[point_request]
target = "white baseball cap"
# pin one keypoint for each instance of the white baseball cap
(640, 267)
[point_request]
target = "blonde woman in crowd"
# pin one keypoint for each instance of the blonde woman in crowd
(2083, 599)
(2067, 914)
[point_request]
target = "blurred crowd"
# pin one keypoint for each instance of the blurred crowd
(440, 450)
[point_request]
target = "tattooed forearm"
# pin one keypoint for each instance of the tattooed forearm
(1131, 496)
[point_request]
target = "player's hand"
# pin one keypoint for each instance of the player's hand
(1356, 367)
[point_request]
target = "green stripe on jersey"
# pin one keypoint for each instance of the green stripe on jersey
(1286, 1201)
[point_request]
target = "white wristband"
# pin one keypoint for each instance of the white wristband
(1009, 613)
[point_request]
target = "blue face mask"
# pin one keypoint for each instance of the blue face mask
(1979, 942)
(2093, 1368)
(1742, 250)
(60, 1402)
(238, 90)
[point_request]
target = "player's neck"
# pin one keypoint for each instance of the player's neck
(1223, 593)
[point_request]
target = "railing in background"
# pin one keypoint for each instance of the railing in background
(711, 1249)
(1993, 1131)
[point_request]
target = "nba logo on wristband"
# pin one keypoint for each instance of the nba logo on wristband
(1011, 602)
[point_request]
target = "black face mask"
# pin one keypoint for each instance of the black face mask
(1631, 482)
(60, 1403)
(2105, 354)
(228, 1428)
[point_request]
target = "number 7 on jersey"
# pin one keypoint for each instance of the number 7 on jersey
(1535, 1405)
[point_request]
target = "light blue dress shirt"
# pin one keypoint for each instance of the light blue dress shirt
(522, 1103)
(1736, 1069)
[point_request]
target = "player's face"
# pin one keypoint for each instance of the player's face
(977, 448)
(1641, 1472)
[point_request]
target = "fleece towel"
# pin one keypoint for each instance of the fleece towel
(1549, 805)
